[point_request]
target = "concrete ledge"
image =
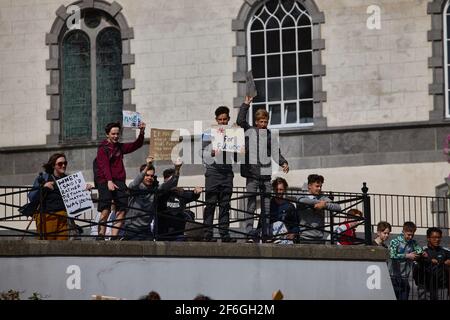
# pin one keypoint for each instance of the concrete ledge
(30, 248)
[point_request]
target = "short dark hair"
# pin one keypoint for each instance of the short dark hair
(433, 229)
(279, 180)
(312, 178)
(383, 225)
(409, 226)
(201, 297)
(50, 165)
(221, 110)
(152, 295)
(111, 125)
(168, 172)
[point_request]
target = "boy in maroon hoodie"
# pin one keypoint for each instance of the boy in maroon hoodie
(111, 175)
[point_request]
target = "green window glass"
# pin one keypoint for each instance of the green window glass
(109, 78)
(76, 87)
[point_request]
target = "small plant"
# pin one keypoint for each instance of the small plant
(10, 295)
(35, 296)
(15, 295)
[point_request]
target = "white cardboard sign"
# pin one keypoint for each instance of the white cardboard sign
(74, 194)
(131, 119)
(228, 139)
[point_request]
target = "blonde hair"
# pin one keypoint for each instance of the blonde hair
(261, 113)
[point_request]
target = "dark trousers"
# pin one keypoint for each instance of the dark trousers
(222, 198)
(401, 287)
(171, 228)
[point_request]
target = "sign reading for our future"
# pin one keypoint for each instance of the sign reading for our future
(131, 119)
(228, 139)
(74, 194)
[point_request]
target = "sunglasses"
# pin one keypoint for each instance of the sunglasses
(60, 164)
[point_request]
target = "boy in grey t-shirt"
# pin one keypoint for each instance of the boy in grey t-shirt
(312, 211)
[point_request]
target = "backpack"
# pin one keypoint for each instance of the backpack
(95, 163)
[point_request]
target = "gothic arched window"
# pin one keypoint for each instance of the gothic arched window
(279, 38)
(90, 67)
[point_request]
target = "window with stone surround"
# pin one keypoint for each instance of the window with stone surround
(446, 44)
(280, 57)
(279, 41)
(90, 69)
(91, 86)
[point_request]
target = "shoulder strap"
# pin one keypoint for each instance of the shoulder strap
(106, 149)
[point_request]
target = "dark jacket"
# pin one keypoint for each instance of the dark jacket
(142, 205)
(171, 212)
(51, 199)
(285, 212)
(110, 167)
(255, 139)
(432, 276)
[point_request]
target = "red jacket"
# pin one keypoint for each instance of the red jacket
(347, 237)
(112, 168)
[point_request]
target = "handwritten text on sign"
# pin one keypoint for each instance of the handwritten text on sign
(75, 196)
(230, 139)
(163, 143)
(131, 119)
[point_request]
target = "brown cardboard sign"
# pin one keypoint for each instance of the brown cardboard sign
(163, 142)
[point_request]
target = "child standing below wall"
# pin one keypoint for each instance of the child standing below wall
(383, 231)
(403, 251)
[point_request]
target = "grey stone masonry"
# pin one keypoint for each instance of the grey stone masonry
(327, 148)
(29, 248)
(435, 62)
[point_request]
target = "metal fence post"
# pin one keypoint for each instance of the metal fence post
(367, 215)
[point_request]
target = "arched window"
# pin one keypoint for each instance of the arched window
(91, 77)
(90, 67)
(279, 38)
(76, 86)
(109, 78)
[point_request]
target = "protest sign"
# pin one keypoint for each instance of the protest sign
(228, 139)
(250, 85)
(74, 194)
(163, 143)
(131, 119)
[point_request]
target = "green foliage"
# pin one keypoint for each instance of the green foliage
(15, 295)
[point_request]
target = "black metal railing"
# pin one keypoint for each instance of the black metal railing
(422, 282)
(425, 211)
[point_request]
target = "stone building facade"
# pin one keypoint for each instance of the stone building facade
(375, 100)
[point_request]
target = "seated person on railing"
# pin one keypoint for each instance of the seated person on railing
(345, 233)
(403, 250)
(383, 231)
(143, 189)
(311, 211)
(431, 273)
(172, 213)
(283, 215)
